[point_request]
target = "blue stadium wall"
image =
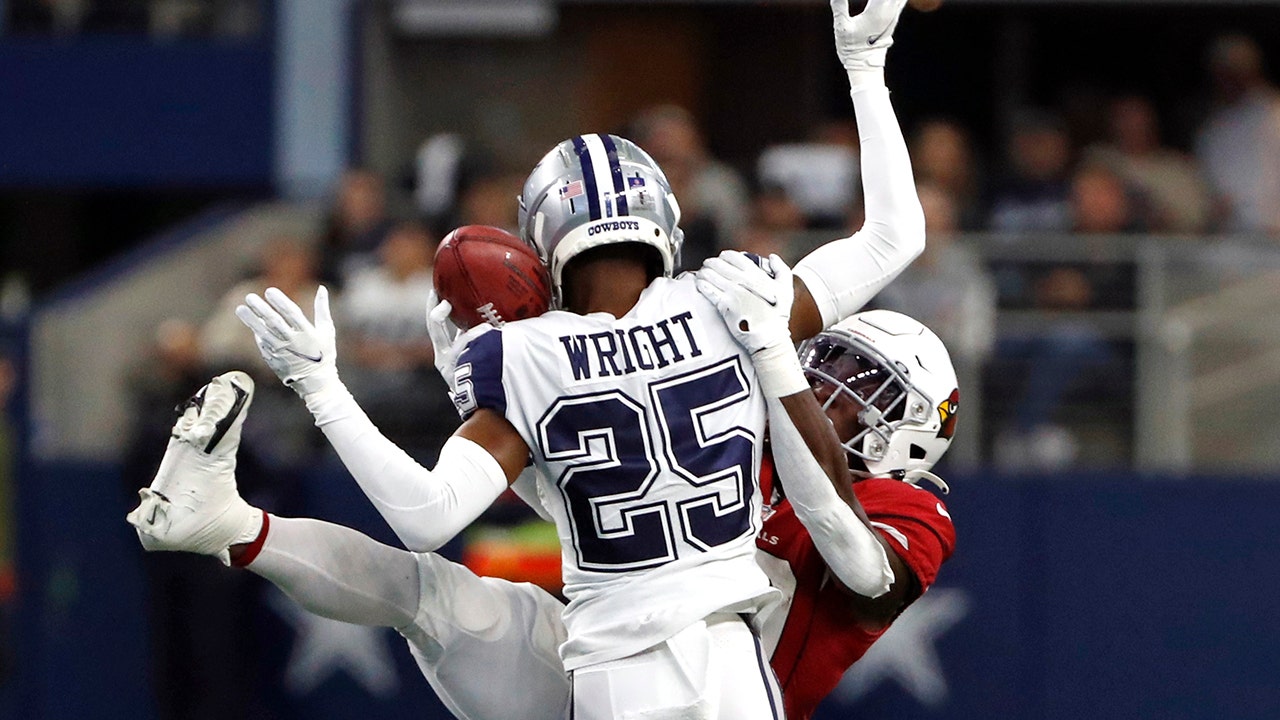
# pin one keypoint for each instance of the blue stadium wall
(119, 111)
(1073, 596)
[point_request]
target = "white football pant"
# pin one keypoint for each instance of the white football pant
(712, 670)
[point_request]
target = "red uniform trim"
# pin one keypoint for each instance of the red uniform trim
(251, 553)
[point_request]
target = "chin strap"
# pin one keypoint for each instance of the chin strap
(912, 477)
(915, 476)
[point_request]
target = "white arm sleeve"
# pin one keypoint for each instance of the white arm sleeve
(850, 548)
(843, 275)
(425, 508)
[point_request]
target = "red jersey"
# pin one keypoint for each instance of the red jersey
(814, 635)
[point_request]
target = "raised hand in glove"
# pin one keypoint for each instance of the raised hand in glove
(303, 355)
(863, 40)
(444, 336)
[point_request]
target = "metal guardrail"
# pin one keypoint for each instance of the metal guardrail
(1200, 339)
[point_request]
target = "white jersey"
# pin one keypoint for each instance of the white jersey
(646, 431)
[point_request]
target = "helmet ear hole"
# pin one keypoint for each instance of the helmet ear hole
(918, 453)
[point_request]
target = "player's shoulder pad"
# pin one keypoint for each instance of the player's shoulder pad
(478, 374)
(909, 515)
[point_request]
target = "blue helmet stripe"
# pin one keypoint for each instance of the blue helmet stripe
(615, 169)
(588, 177)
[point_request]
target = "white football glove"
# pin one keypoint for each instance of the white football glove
(754, 298)
(444, 335)
(863, 40)
(301, 354)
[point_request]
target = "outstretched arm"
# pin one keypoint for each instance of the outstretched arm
(755, 303)
(424, 507)
(837, 279)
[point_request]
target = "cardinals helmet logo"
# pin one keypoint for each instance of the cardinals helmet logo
(947, 411)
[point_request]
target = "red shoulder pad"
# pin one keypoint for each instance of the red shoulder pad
(913, 520)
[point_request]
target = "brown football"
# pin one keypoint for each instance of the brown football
(489, 275)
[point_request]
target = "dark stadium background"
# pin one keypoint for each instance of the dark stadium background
(1114, 591)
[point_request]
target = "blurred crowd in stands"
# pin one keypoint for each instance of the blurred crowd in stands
(156, 18)
(1052, 178)
(1091, 170)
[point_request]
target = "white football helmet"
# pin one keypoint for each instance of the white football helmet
(595, 190)
(898, 388)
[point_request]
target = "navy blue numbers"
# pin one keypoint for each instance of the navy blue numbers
(622, 516)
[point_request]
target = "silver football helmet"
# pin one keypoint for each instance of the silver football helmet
(893, 382)
(595, 190)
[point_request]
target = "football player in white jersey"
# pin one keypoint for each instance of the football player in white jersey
(473, 637)
(635, 403)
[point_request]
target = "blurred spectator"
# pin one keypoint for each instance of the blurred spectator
(438, 167)
(1239, 144)
(1033, 195)
(1101, 203)
(173, 365)
(226, 344)
(356, 224)
(285, 262)
(486, 200)
(949, 289)
(820, 176)
(773, 222)
(458, 182)
(387, 353)
(1052, 360)
(1042, 364)
(1176, 197)
(204, 18)
(201, 635)
(56, 17)
(713, 198)
(70, 17)
(161, 18)
(942, 157)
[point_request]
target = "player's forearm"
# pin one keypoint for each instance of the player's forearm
(425, 508)
(807, 432)
(843, 275)
(812, 467)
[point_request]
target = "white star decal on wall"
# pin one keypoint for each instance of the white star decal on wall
(907, 652)
(324, 647)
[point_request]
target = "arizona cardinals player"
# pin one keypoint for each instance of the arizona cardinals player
(888, 391)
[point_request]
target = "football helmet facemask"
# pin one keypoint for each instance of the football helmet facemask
(596, 190)
(892, 378)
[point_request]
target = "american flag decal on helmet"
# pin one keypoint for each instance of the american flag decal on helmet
(569, 193)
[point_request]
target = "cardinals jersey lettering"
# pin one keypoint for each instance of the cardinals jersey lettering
(646, 430)
(814, 635)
